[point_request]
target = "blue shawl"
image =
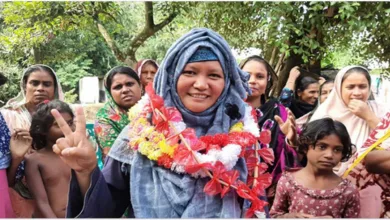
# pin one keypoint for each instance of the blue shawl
(157, 192)
(215, 119)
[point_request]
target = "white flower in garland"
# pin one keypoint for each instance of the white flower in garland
(228, 155)
(250, 124)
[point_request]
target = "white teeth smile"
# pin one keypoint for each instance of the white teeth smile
(199, 96)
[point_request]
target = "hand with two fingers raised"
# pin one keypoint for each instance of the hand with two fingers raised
(75, 149)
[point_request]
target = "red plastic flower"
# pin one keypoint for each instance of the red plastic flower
(183, 156)
(244, 191)
(171, 115)
(267, 154)
(196, 167)
(230, 178)
(165, 161)
(157, 101)
(265, 137)
(214, 187)
(257, 205)
(242, 138)
(115, 117)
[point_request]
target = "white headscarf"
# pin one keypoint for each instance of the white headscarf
(15, 113)
(335, 108)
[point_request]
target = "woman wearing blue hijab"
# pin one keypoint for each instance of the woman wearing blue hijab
(200, 90)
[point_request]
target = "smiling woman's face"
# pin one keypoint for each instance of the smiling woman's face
(355, 86)
(200, 85)
(258, 77)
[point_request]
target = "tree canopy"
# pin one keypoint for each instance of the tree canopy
(88, 38)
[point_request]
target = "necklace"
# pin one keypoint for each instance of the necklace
(160, 134)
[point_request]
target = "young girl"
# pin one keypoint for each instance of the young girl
(262, 79)
(46, 174)
(349, 104)
(315, 190)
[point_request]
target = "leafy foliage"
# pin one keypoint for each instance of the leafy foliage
(12, 87)
(89, 38)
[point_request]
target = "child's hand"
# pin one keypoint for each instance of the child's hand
(288, 127)
(20, 143)
(75, 149)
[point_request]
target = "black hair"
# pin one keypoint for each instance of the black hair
(303, 83)
(326, 82)
(42, 120)
(3, 79)
(358, 70)
(272, 78)
(122, 70)
(150, 62)
(318, 129)
(39, 67)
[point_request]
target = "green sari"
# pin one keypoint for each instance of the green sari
(110, 120)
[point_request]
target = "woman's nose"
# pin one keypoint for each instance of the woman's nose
(200, 83)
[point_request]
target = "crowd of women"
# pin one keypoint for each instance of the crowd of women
(198, 137)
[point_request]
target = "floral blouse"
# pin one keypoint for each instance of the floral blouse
(291, 197)
(5, 156)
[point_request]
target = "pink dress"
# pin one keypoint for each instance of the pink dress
(291, 197)
(6, 210)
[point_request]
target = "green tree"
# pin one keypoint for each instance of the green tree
(121, 25)
(300, 33)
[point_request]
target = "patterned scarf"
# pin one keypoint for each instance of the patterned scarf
(110, 121)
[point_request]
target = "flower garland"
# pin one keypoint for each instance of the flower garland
(159, 133)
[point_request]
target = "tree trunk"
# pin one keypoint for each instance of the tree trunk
(37, 55)
(290, 62)
(273, 56)
(130, 61)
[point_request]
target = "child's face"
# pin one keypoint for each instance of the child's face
(326, 154)
(55, 131)
(200, 85)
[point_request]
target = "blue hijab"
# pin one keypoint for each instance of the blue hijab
(157, 192)
(230, 107)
